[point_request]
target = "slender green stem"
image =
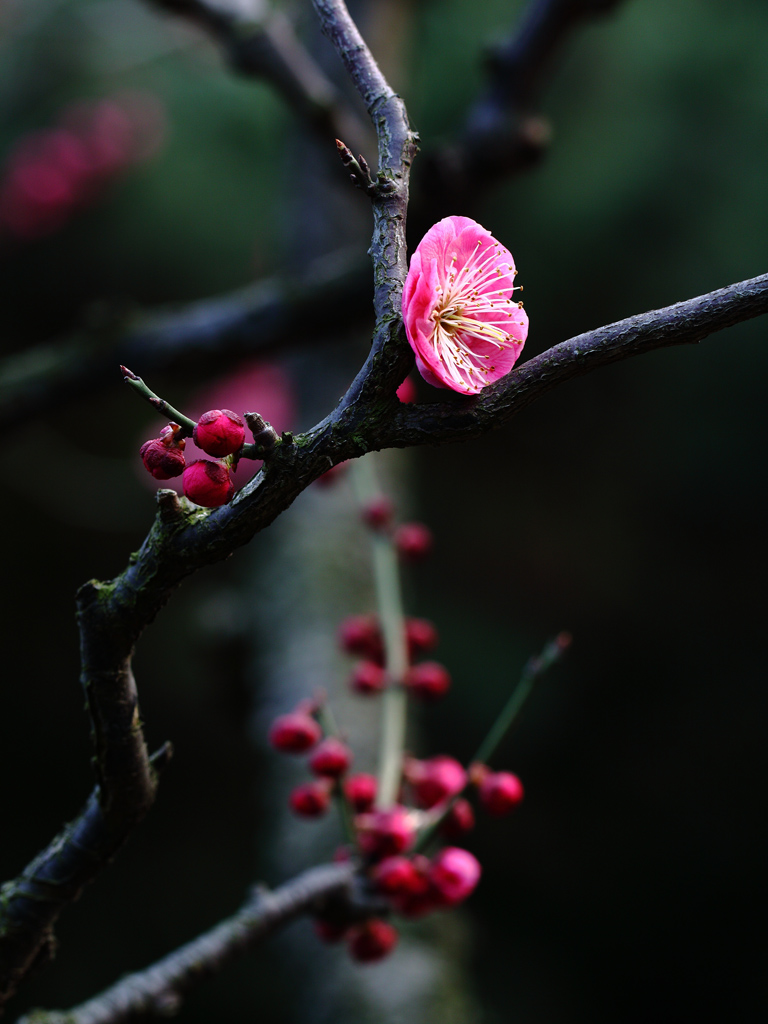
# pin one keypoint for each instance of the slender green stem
(386, 573)
(534, 669)
(187, 425)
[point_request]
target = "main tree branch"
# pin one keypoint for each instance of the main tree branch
(683, 323)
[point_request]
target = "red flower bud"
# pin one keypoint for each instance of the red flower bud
(378, 512)
(208, 483)
(428, 680)
(294, 733)
(311, 799)
(454, 873)
(385, 833)
(368, 677)
(331, 758)
(360, 790)
(458, 821)
(219, 432)
(396, 876)
(435, 780)
(407, 391)
(163, 456)
(421, 897)
(413, 541)
(372, 941)
(421, 636)
(500, 792)
(360, 634)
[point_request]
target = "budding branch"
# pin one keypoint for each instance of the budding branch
(113, 614)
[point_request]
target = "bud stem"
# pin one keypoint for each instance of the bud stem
(187, 425)
(533, 670)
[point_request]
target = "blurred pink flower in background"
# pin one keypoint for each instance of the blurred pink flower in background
(255, 386)
(52, 173)
(461, 321)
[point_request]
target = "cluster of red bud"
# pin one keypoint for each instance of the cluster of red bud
(430, 797)
(52, 173)
(218, 432)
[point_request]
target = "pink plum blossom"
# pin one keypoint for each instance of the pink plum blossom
(460, 318)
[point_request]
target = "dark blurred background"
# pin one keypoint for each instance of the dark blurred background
(626, 507)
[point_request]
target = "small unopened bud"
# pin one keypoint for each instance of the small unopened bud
(331, 758)
(360, 790)
(377, 513)
(454, 873)
(360, 634)
(368, 677)
(311, 800)
(428, 680)
(434, 780)
(385, 833)
(219, 432)
(420, 897)
(421, 636)
(372, 941)
(395, 875)
(500, 793)
(459, 820)
(413, 541)
(294, 733)
(407, 391)
(163, 456)
(208, 483)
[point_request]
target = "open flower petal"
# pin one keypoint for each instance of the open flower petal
(462, 321)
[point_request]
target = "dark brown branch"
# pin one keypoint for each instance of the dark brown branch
(369, 417)
(265, 317)
(32, 902)
(158, 989)
(390, 357)
(684, 323)
(266, 47)
(183, 539)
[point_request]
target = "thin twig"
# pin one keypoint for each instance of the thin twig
(158, 989)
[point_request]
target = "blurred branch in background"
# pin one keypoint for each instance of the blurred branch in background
(499, 138)
(260, 42)
(276, 313)
(503, 133)
(158, 989)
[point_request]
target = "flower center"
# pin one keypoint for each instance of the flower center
(473, 310)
